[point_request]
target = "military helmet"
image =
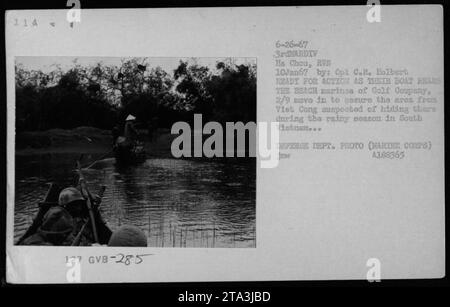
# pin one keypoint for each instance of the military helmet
(57, 221)
(69, 195)
(128, 235)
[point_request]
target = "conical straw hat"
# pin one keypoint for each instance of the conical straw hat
(130, 117)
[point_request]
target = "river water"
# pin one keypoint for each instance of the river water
(177, 203)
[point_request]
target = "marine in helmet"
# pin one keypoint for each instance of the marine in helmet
(73, 201)
(128, 235)
(56, 229)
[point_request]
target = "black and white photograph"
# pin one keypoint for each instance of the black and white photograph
(261, 144)
(93, 155)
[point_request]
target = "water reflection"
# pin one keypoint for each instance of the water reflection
(176, 202)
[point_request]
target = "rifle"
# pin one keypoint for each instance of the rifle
(76, 241)
(87, 195)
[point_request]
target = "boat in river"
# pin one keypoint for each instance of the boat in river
(50, 200)
(129, 153)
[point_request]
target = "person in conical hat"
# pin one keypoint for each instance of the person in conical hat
(130, 132)
(130, 117)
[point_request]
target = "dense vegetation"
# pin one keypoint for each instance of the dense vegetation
(101, 96)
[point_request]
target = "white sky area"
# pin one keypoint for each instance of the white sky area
(168, 64)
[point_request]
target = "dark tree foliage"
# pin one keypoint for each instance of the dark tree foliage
(233, 93)
(102, 96)
(65, 105)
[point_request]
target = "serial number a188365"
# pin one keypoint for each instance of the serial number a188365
(388, 154)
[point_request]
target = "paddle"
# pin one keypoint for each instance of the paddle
(101, 158)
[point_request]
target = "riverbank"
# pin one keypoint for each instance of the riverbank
(98, 142)
(85, 140)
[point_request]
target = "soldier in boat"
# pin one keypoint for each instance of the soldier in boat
(73, 204)
(56, 229)
(73, 201)
(66, 223)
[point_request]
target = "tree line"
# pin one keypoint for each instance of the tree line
(103, 95)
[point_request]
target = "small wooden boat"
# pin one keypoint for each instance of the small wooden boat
(51, 199)
(126, 153)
